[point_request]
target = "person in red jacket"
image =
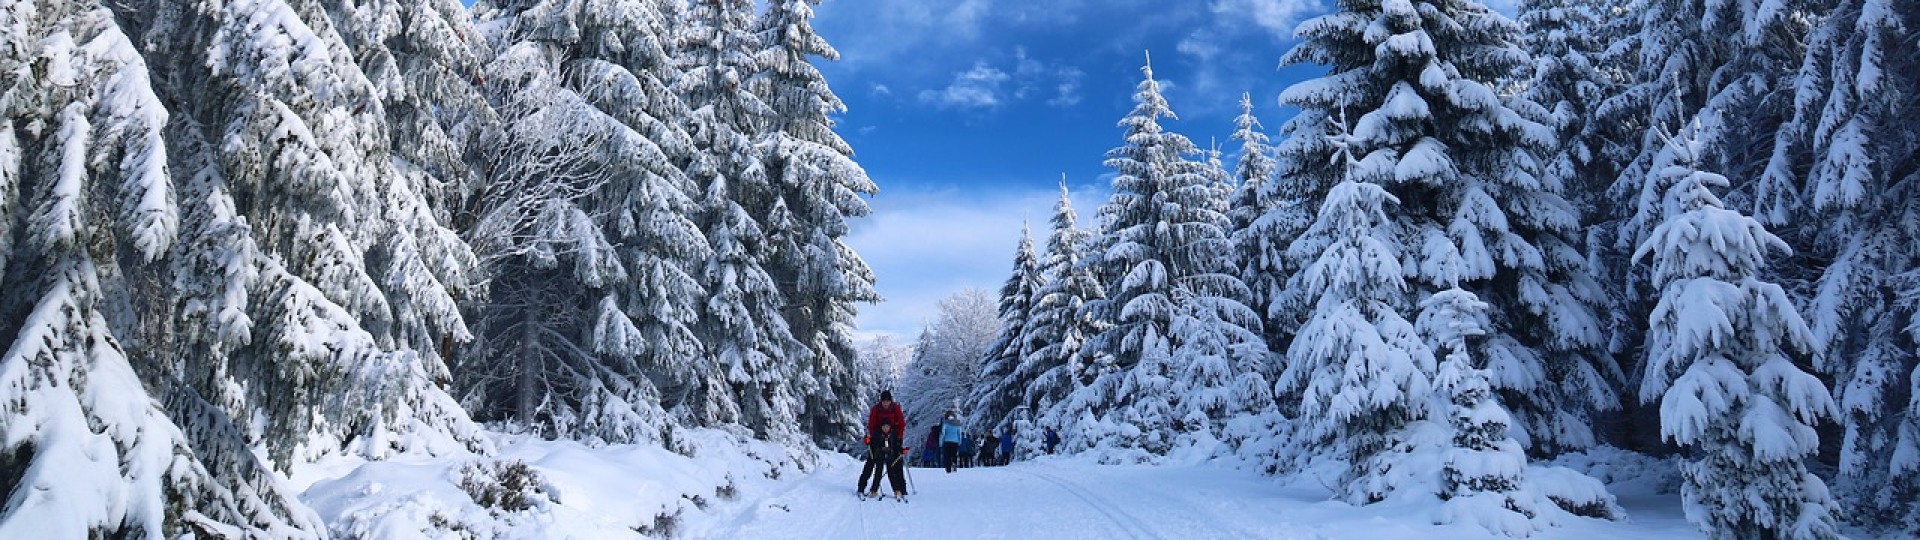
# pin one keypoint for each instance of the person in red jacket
(886, 412)
(885, 425)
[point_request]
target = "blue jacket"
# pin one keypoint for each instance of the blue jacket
(1006, 443)
(949, 433)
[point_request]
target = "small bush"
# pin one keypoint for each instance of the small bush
(509, 486)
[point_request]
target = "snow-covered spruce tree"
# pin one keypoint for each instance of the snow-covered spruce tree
(425, 59)
(1259, 233)
(1484, 476)
(1460, 157)
(585, 225)
(753, 360)
(1853, 139)
(1058, 326)
(991, 405)
(1360, 371)
(86, 196)
(1721, 359)
(1731, 66)
(1565, 40)
(1167, 232)
(291, 195)
(813, 170)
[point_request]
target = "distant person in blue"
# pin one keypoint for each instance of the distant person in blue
(949, 440)
(1006, 447)
(1053, 440)
(967, 449)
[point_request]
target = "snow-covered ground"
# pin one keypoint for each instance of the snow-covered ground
(738, 488)
(1061, 499)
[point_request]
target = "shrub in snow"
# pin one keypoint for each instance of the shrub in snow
(507, 485)
(1721, 351)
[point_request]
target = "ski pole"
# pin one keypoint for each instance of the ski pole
(910, 487)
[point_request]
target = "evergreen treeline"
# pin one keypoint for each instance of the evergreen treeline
(237, 236)
(1671, 226)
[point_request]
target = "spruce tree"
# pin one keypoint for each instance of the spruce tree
(1058, 327)
(752, 363)
(1721, 360)
(1852, 139)
(1359, 370)
(1420, 79)
(90, 208)
(1259, 235)
(1168, 251)
(586, 226)
(820, 276)
(991, 406)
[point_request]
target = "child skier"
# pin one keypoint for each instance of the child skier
(884, 459)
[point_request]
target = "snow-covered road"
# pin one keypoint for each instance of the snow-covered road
(1052, 500)
(1066, 499)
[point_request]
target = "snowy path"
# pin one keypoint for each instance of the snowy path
(1027, 500)
(1065, 500)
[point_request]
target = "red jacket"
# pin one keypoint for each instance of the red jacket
(886, 413)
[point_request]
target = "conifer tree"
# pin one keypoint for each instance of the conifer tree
(84, 168)
(1259, 233)
(1852, 139)
(990, 408)
(1420, 77)
(1359, 369)
(1166, 233)
(813, 171)
(752, 356)
(585, 225)
(1721, 351)
(1058, 326)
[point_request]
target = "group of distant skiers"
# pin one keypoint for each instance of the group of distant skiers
(947, 445)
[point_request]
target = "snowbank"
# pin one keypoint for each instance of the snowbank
(549, 489)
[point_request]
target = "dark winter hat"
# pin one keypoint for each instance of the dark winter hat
(886, 395)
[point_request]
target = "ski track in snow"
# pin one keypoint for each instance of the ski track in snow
(1026, 500)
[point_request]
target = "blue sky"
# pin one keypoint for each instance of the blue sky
(968, 112)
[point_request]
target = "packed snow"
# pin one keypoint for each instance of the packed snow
(734, 487)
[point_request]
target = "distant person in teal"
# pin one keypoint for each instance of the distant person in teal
(949, 440)
(1006, 447)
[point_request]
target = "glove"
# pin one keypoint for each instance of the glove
(866, 440)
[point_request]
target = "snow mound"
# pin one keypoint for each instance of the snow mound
(548, 489)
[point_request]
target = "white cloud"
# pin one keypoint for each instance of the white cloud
(1199, 45)
(985, 86)
(881, 90)
(1278, 17)
(926, 245)
(979, 88)
(1067, 93)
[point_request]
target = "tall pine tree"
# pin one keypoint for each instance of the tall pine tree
(1433, 131)
(1721, 360)
(820, 186)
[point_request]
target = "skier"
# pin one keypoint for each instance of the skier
(1053, 439)
(949, 440)
(884, 456)
(930, 455)
(1007, 443)
(987, 447)
(967, 449)
(886, 411)
(885, 422)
